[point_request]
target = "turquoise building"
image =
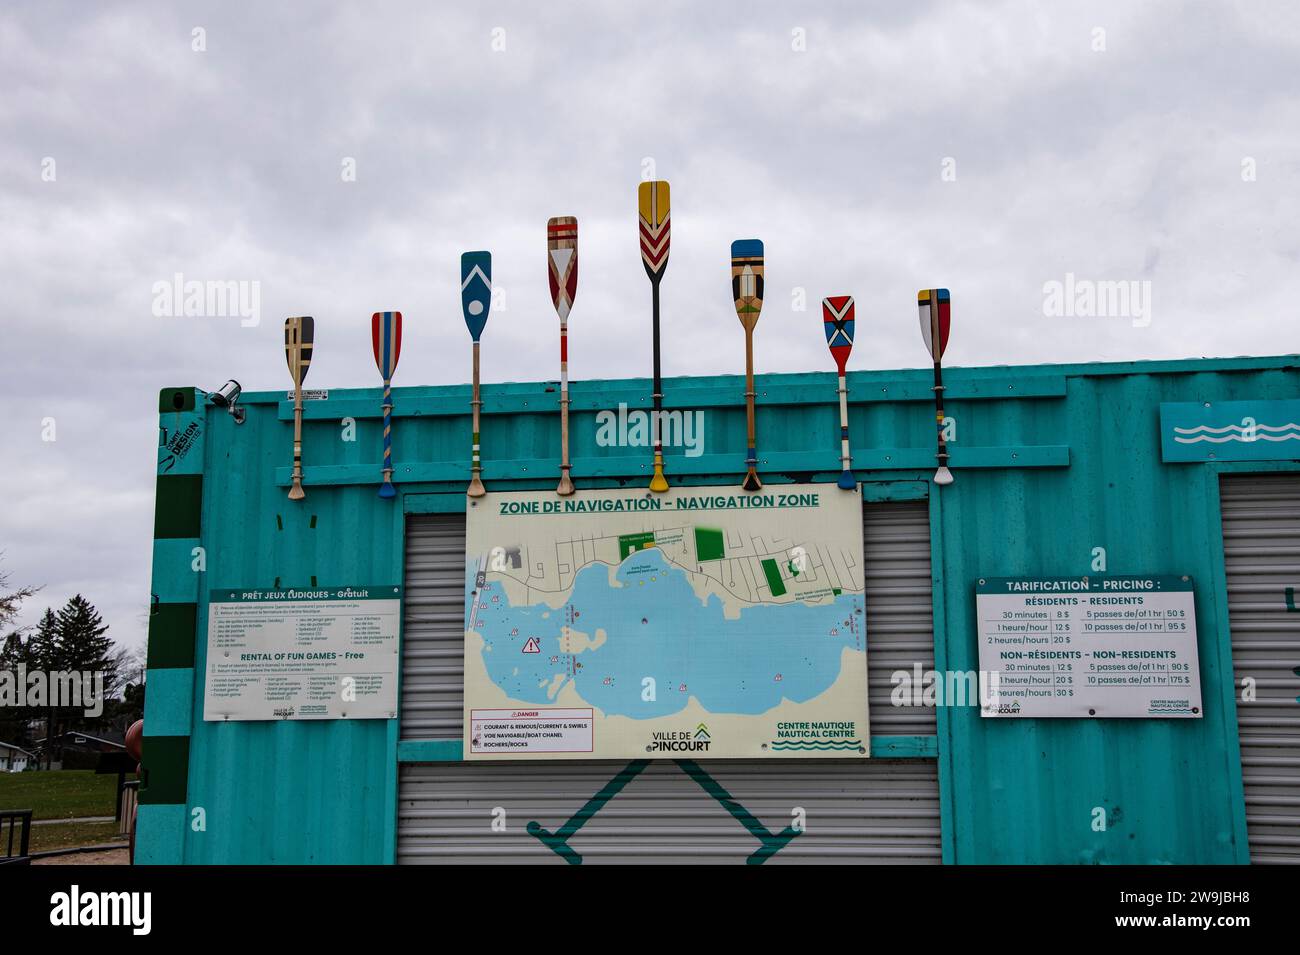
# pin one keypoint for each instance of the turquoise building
(1188, 468)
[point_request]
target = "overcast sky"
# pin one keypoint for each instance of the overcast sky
(875, 149)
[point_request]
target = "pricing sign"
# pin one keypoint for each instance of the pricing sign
(1109, 646)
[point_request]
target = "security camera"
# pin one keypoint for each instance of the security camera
(227, 396)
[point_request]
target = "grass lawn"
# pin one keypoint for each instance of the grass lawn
(61, 794)
(65, 834)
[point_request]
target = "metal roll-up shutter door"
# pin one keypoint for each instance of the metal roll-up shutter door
(1261, 550)
(877, 811)
(433, 627)
(883, 811)
(900, 611)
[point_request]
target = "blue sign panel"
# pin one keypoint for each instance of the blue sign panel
(1230, 430)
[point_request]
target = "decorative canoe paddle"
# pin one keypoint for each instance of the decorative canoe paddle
(562, 270)
(936, 318)
(475, 301)
(386, 339)
(299, 333)
(837, 317)
(652, 206)
(747, 289)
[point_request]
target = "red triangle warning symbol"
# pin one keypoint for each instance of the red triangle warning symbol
(532, 646)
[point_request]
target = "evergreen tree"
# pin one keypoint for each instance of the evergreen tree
(82, 642)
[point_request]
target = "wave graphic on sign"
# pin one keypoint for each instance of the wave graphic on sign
(1237, 432)
(804, 744)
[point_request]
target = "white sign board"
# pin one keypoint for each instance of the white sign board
(700, 623)
(317, 654)
(1108, 646)
(546, 730)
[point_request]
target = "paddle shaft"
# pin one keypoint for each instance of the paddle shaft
(942, 453)
(844, 424)
(476, 466)
(388, 431)
(296, 492)
(658, 395)
(751, 461)
(565, 481)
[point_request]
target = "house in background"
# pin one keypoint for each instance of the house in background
(14, 759)
(81, 749)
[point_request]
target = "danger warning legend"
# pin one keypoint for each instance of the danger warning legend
(532, 646)
(500, 732)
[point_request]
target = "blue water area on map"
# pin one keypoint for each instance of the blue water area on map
(656, 626)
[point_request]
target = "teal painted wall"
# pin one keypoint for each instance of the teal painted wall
(1050, 462)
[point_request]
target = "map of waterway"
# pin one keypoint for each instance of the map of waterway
(648, 622)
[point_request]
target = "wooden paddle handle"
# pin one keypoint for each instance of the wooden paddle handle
(296, 493)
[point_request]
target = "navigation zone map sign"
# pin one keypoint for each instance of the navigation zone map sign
(1109, 646)
(696, 623)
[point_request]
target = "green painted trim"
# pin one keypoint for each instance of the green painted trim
(178, 506)
(614, 466)
(172, 631)
(452, 502)
(166, 762)
(169, 702)
(160, 835)
(943, 716)
(175, 399)
(874, 492)
(773, 391)
(174, 579)
(905, 747)
(430, 751)
(684, 392)
(392, 783)
(451, 750)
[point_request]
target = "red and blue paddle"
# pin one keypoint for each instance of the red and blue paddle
(386, 336)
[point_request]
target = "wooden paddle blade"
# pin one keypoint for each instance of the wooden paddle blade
(936, 319)
(747, 279)
(838, 320)
(299, 333)
(476, 290)
(652, 199)
(562, 262)
(386, 339)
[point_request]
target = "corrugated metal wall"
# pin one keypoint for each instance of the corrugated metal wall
(1261, 546)
(900, 623)
(883, 811)
(887, 811)
(1028, 791)
(900, 616)
(433, 628)
(1018, 792)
